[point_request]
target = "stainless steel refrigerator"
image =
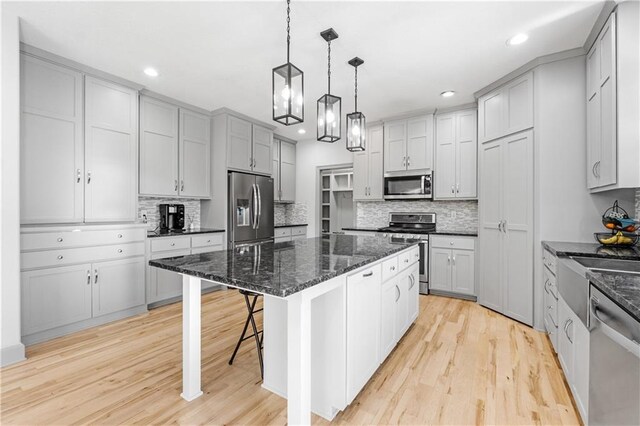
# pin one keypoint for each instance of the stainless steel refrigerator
(250, 209)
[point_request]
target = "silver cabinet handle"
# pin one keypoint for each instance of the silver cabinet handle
(368, 274)
(119, 250)
(454, 260)
(95, 280)
(89, 177)
(60, 239)
(398, 290)
(393, 268)
(175, 184)
(593, 169)
(546, 286)
(181, 185)
(504, 226)
(598, 168)
(60, 257)
(78, 176)
(404, 161)
(566, 331)
(208, 241)
(408, 161)
(448, 259)
(413, 281)
(119, 235)
(406, 261)
(500, 226)
(457, 188)
(452, 189)
(450, 243)
(173, 244)
(88, 276)
(551, 318)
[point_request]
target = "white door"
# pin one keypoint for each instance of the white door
(490, 250)
(466, 154)
(388, 298)
(195, 148)
(440, 269)
(518, 107)
(288, 171)
(55, 297)
(491, 116)
(420, 143)
(402, 304)
(158, 147)
(413, 298)
(111, 148)
(593, 116)
(51, 143)
(262, 146)
(565, 346)
(395, 146)
(118, 285)
(360, 175)
(606, 169)
(518, 226)
(375, 146)
(462, 272)
(239, 155)
(445, 169)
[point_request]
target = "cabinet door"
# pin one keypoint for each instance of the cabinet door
(466, 154)
(276, 170)
(118, 285)
(402, 305)
(288, 171)
(262, 146)
(445, 156)
(420, 143)
(111, 147)
(395, 146)
(195, 148)
(388, 298)
(375, 147)
(51, 143)
(463, 272)
(158, 147)
(363, 328)
(490, 115)
(440, 269)
(606, 169)
(565, 345)
(55, 297)
(580, 385)
(239, 154)
(518, 108)
(360, 175)
(164, 284)
(490, 250)
(413, 298)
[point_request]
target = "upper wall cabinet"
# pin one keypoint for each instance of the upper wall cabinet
(249, 146)
(506, 110)
(408, 144)
(456, 155)
(175, 146)
(284, 171)
(613, 104)
(367, 167)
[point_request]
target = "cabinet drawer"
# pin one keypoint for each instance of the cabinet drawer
(460, 243)
(41, 259)
(206, 249)
(206, 240)
(550, 284)
(299, 230)
(170, 243)
(371, 273)
(549, 261)
(282, 232)
(77, 238)
(407, 258)
(389, 268)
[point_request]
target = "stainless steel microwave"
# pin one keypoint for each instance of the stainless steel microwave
(408, 186)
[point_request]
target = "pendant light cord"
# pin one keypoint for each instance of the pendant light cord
(288, 27)
(329, 68)
(356, 86)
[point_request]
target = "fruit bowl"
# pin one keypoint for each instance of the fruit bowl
(616, 239)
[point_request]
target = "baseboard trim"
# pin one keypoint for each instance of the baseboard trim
(12, 354)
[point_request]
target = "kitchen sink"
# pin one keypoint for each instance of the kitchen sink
(609, 265)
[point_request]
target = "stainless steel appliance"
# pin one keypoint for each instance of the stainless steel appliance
(614, 363)
(250, 209)
(408, 185)
(418, 226)
(171, 217)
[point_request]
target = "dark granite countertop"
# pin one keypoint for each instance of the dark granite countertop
(355, 228)
(457, 233)
(622, 288)
(158, 233)
(437, 232)
(282, 269)
(289, 225)
(564, 249)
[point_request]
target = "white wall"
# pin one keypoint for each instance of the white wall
(12, 348)
(311, 156)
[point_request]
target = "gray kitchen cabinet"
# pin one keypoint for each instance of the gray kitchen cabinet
(51, 143)
(284, 171)
(395, 146)
(54, 297)
(368, 167)
(118, 285)
(194, 155)
(111, 151)
(456, 155)
(249, 146)
(262, 146)
(163, 284)
(408, 144)
(158, 147)
(452, 265)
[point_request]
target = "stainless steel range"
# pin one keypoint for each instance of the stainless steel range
(418, 226)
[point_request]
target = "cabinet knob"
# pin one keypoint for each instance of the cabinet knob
(119, 235)
(119, 250)
(208, 241)
(451, 243)
(173, 244)
(406, 261)
(60, 239)
(60, 257)
(393, 268)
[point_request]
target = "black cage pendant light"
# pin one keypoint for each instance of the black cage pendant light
(356, 122)
(329, 106)
(288, 87)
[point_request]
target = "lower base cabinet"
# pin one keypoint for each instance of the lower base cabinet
(112, 289)
(452, 265)
(292, 233)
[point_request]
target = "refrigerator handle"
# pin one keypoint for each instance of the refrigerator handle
(254, 194)
(259, 207)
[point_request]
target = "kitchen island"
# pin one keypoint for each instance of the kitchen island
(335, 307)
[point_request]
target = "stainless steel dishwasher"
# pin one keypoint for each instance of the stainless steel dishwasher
(614, 363)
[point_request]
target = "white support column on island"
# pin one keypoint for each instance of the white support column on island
(299, 359)
(191, 288)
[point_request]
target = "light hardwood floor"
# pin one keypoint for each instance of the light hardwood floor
(458, 364)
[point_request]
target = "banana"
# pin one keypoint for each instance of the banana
(612, 240)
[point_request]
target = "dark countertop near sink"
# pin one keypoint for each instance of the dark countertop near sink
(154, 234)
(438, 232)
(622, 288)
(564, 249)
(289, 225)
(282, 269)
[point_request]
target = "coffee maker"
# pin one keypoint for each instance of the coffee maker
(171, 217)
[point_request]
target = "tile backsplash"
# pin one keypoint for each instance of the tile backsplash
(294, 213)
(150, 204)
(376, 214)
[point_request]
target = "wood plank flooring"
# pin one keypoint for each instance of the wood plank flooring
(458, 364)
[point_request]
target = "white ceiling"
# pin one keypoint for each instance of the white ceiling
(215, 54)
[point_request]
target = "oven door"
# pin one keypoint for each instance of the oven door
(408, 187)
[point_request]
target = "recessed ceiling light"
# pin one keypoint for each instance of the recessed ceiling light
(302, 131)
(517, 39)
(447, 94)
(151, 72)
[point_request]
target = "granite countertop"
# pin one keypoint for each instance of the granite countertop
(621, 287)
(437, 232)
(355, 228)
(458, 233)
(289, 225)
(158, 233)
(282, 269)
(564, 249)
